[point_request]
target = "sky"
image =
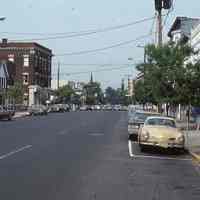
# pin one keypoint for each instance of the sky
(34, 19)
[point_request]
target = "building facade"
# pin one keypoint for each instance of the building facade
(32, 61)
(180, 30)
(7, 74)
(195, 42)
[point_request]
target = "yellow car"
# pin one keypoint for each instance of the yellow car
(160, 132)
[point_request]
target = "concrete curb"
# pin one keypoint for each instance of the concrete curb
(195, 156)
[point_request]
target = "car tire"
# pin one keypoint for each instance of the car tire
(9, 118)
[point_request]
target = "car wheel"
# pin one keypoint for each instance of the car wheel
(9, 118)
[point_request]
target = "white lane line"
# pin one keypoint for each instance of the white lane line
(130, 149)
(15, 151)
(64, 132)
(132, 155)
(96, 134)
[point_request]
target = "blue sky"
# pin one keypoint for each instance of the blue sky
(44, 16)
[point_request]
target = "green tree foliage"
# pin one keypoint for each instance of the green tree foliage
(167, 77)
(117, 96)
(65, 93)
(16, 92)
(93, 92)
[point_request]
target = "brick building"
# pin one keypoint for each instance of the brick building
(32, 61)
(7, 74)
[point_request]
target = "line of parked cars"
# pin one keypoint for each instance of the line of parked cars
(107, 107)
(151, 129)
(44, 110)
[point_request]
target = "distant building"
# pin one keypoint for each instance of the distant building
(181, 29)
(54, 83)
(33, 64)
(7, 75)
(131, 87)
(195, 41)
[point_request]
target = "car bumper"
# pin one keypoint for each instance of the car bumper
(132, 130)
(165, 145)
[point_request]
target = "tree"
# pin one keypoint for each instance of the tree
(94, 94)
(16, 92)
(112, 96)
(64, 93)
(165, 74)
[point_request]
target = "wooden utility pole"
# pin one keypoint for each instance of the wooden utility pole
(160, 28)
(58, 76)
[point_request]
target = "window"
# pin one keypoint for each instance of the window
(26, 60)
(25, 78)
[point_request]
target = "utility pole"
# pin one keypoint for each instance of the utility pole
(58, 76)
(160, 28)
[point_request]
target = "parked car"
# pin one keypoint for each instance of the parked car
(97, 107)
(83, 108)
(160, 132)
(137, 119)
(108, 107)
(6, 113)
(133, 108)
(37, 110)
(59, 108)
(117, 107)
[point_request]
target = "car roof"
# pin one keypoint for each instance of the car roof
(160, 117)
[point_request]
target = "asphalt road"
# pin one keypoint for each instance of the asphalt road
(85, 156)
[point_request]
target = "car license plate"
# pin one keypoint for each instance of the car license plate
(171, 144)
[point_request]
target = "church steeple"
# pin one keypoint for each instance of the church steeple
(91, 78)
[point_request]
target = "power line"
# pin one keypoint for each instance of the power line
(103, 48)
(152, 26)
(92, 64)
(99, 70)
(85, 33)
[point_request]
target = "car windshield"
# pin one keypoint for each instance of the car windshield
(161, 122)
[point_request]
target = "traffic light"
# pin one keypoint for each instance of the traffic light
(167, 4)
(158, 4)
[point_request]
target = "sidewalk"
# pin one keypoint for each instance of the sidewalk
(192, 143)
(20, 114)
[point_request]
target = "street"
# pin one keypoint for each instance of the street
(87, 156)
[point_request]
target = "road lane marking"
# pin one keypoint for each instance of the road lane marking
(96, 134)
(162, 158)
(15, 151)
(132, 155)
(64, 132)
